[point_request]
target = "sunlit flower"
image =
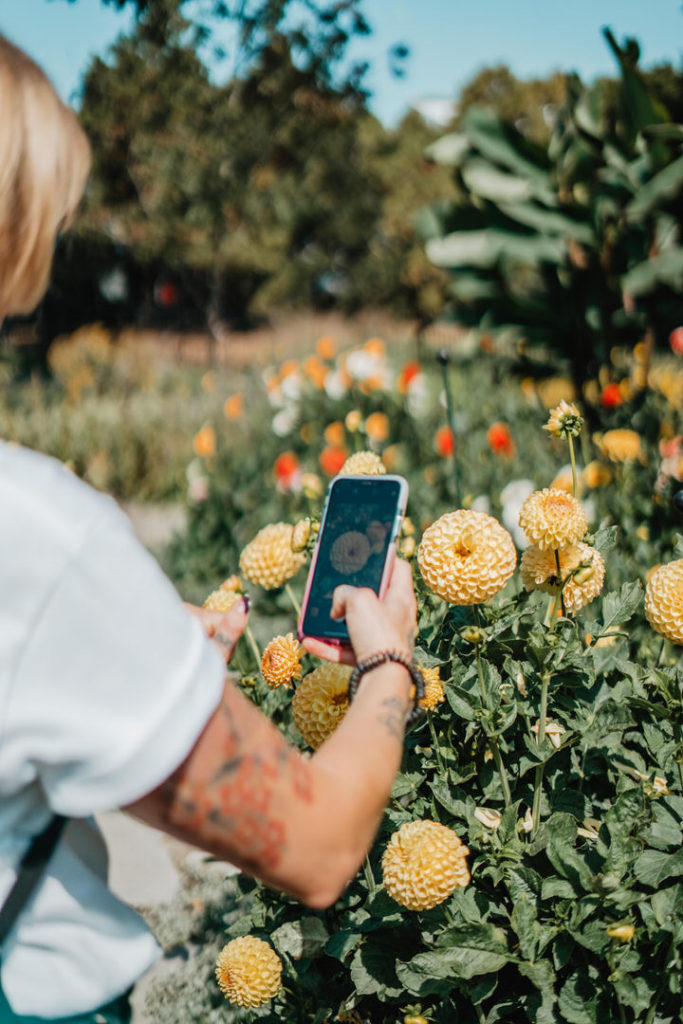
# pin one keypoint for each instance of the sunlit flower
(233, 407)
(268, 560)
(350, 552)
(596, 474)
(281, 661)
(423, 863)
(301, 534)
(466, 557)
(554, 390)
(316, 371)
(221, 600)
(204, 442)
(407, 374)
(326, 347)
(553, 519)
(363, 464)
(332, 460)
(407, 547)
(565, 421)
(248, 971)
(434, 692)
(287, 471)
(664, 600)
(621, 932)
(444, 441)
(500, 440)
(538, 570)
(377, 427)
(353, 420)
(621, 445)
(320, 702)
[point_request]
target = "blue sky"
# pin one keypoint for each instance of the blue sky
(450, 40)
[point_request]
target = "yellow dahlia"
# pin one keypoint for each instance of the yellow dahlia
(596, 474)
(466, 557)
(350, 552)
(554, 390)
(538, 570)
(300, 535)
(423, 863)
(268, 560)
(553, 519)
(565, 421)
(228, 593)
(320, 702)
(620, 445)
(434, 692)
(664, 600)
(281, 661)
(363, 464)
(248, 971)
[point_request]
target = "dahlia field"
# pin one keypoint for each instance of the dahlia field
(529, 865)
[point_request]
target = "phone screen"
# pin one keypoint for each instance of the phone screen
(361, 520)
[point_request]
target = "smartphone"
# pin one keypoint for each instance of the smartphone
(356, 544)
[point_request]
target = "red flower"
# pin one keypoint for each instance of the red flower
(500, 439)
(287, 471)
(444, 441)
(332, 459)
(408, 373)
(611, 396)
(676, 341)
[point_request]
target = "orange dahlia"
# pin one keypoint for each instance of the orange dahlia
(466, 557)
(281, 661)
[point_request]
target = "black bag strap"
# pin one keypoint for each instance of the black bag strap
(30, 870)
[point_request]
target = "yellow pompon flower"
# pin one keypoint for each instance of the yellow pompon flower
(621, 932)
(465, 557)
(620, 445)
(248, 971)
(565, 421)
(424, 862)
(204, 442)
(377, 426)
(554, 390)
(268, 560)
(320, 702)
(538, 570)
(281, 661)
(221, 600)
(363, 464)
(301, 534)
(596, 474)
(553, 519)
(353, 420)
(664, 600)
(434, 692)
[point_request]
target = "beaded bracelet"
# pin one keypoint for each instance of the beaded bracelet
(401, 659)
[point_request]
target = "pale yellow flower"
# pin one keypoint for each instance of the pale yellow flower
(268, 560)
(301, 534)
(281, 661)
(320, 702)
(554, 390)
(621, 932)
(596, 474)
(489, 817)
(424, 862)
(664, 600)
(466, 557)
(248, 971)
(620, 445)
(538, 570)
(553, 732)
(553, 519)
(363, 464)
(224, 598)
(434, 692)
(565, 421)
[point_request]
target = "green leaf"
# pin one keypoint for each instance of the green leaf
(405, 783)
(486, 249)
(304, 938)
(459, 701)
(443, 792)
(606, 538)
(578, 1001)
(663, 186)
(372, 968)
(471, 950)
(619, 606)
(666, 268)
(654, 867)
(540, 974)
(449, 149)
(525, 925)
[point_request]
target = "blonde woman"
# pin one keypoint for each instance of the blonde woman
(111, 693)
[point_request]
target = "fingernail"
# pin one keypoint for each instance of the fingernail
(246, 601)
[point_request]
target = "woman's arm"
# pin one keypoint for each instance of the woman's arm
(301, 824)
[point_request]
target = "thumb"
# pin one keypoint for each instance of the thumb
(224, 628)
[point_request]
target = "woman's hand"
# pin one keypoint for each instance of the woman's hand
(224, 628)
(374, 625)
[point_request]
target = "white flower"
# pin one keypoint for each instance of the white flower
(512, 498)
(335, 384)
(285, 420)
(291, 386)
(418, 399)
(482, 503)
(489, 817)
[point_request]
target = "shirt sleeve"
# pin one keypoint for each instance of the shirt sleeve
(117, 679)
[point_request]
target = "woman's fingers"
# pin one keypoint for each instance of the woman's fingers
(224, 628)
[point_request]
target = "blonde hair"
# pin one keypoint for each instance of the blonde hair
(44, 161)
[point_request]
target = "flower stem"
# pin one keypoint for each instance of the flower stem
(559, 576)
(435, 742)
(254, 646)
(493, 740)
(292, 597)
(538, 776)
(572, 458)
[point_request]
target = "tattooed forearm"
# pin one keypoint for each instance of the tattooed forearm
(393, 717)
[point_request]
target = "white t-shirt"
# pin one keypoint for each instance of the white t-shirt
(106, 682)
